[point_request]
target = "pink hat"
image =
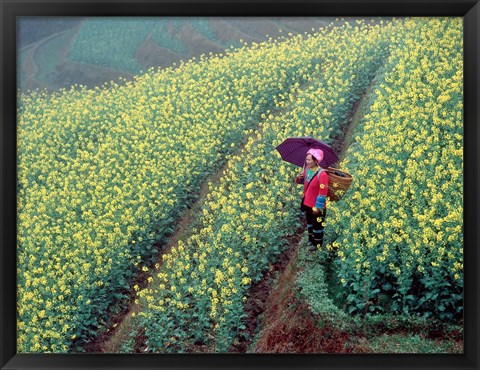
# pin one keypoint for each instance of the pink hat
(317, 153)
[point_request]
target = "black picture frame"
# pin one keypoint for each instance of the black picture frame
(468, 9)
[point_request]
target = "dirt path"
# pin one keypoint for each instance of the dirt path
(30, 67)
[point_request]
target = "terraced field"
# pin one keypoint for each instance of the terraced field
(156, 206)
(64, 56)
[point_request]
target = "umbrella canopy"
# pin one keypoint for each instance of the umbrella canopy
(294, 150)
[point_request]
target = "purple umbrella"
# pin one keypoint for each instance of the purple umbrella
(294, 150)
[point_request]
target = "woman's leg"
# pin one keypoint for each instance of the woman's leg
(310, 220)
(317, 229)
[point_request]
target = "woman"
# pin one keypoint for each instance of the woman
(315, 191)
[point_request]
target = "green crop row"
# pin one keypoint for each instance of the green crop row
(103, 51)
(399, 229)
(166, 34)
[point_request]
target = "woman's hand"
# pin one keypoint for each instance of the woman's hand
(300, 176)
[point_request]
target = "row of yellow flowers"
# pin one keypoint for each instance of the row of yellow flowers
(400, 229)
(103, 173)
(197, 296)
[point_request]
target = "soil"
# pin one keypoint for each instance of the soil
(259, 294)
(226, 33)
(292, 328)
(255, 28)
(30, 70)
(295, 24)
(196, 43)
(86, 74)
(149, 54)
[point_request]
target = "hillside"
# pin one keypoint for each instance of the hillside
(156, 215)
(58, 53)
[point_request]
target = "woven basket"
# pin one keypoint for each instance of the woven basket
(338, 183)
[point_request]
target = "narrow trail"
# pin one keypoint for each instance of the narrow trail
(120, 325)
(30, 66)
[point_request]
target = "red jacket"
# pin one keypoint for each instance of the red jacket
(315, 188)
